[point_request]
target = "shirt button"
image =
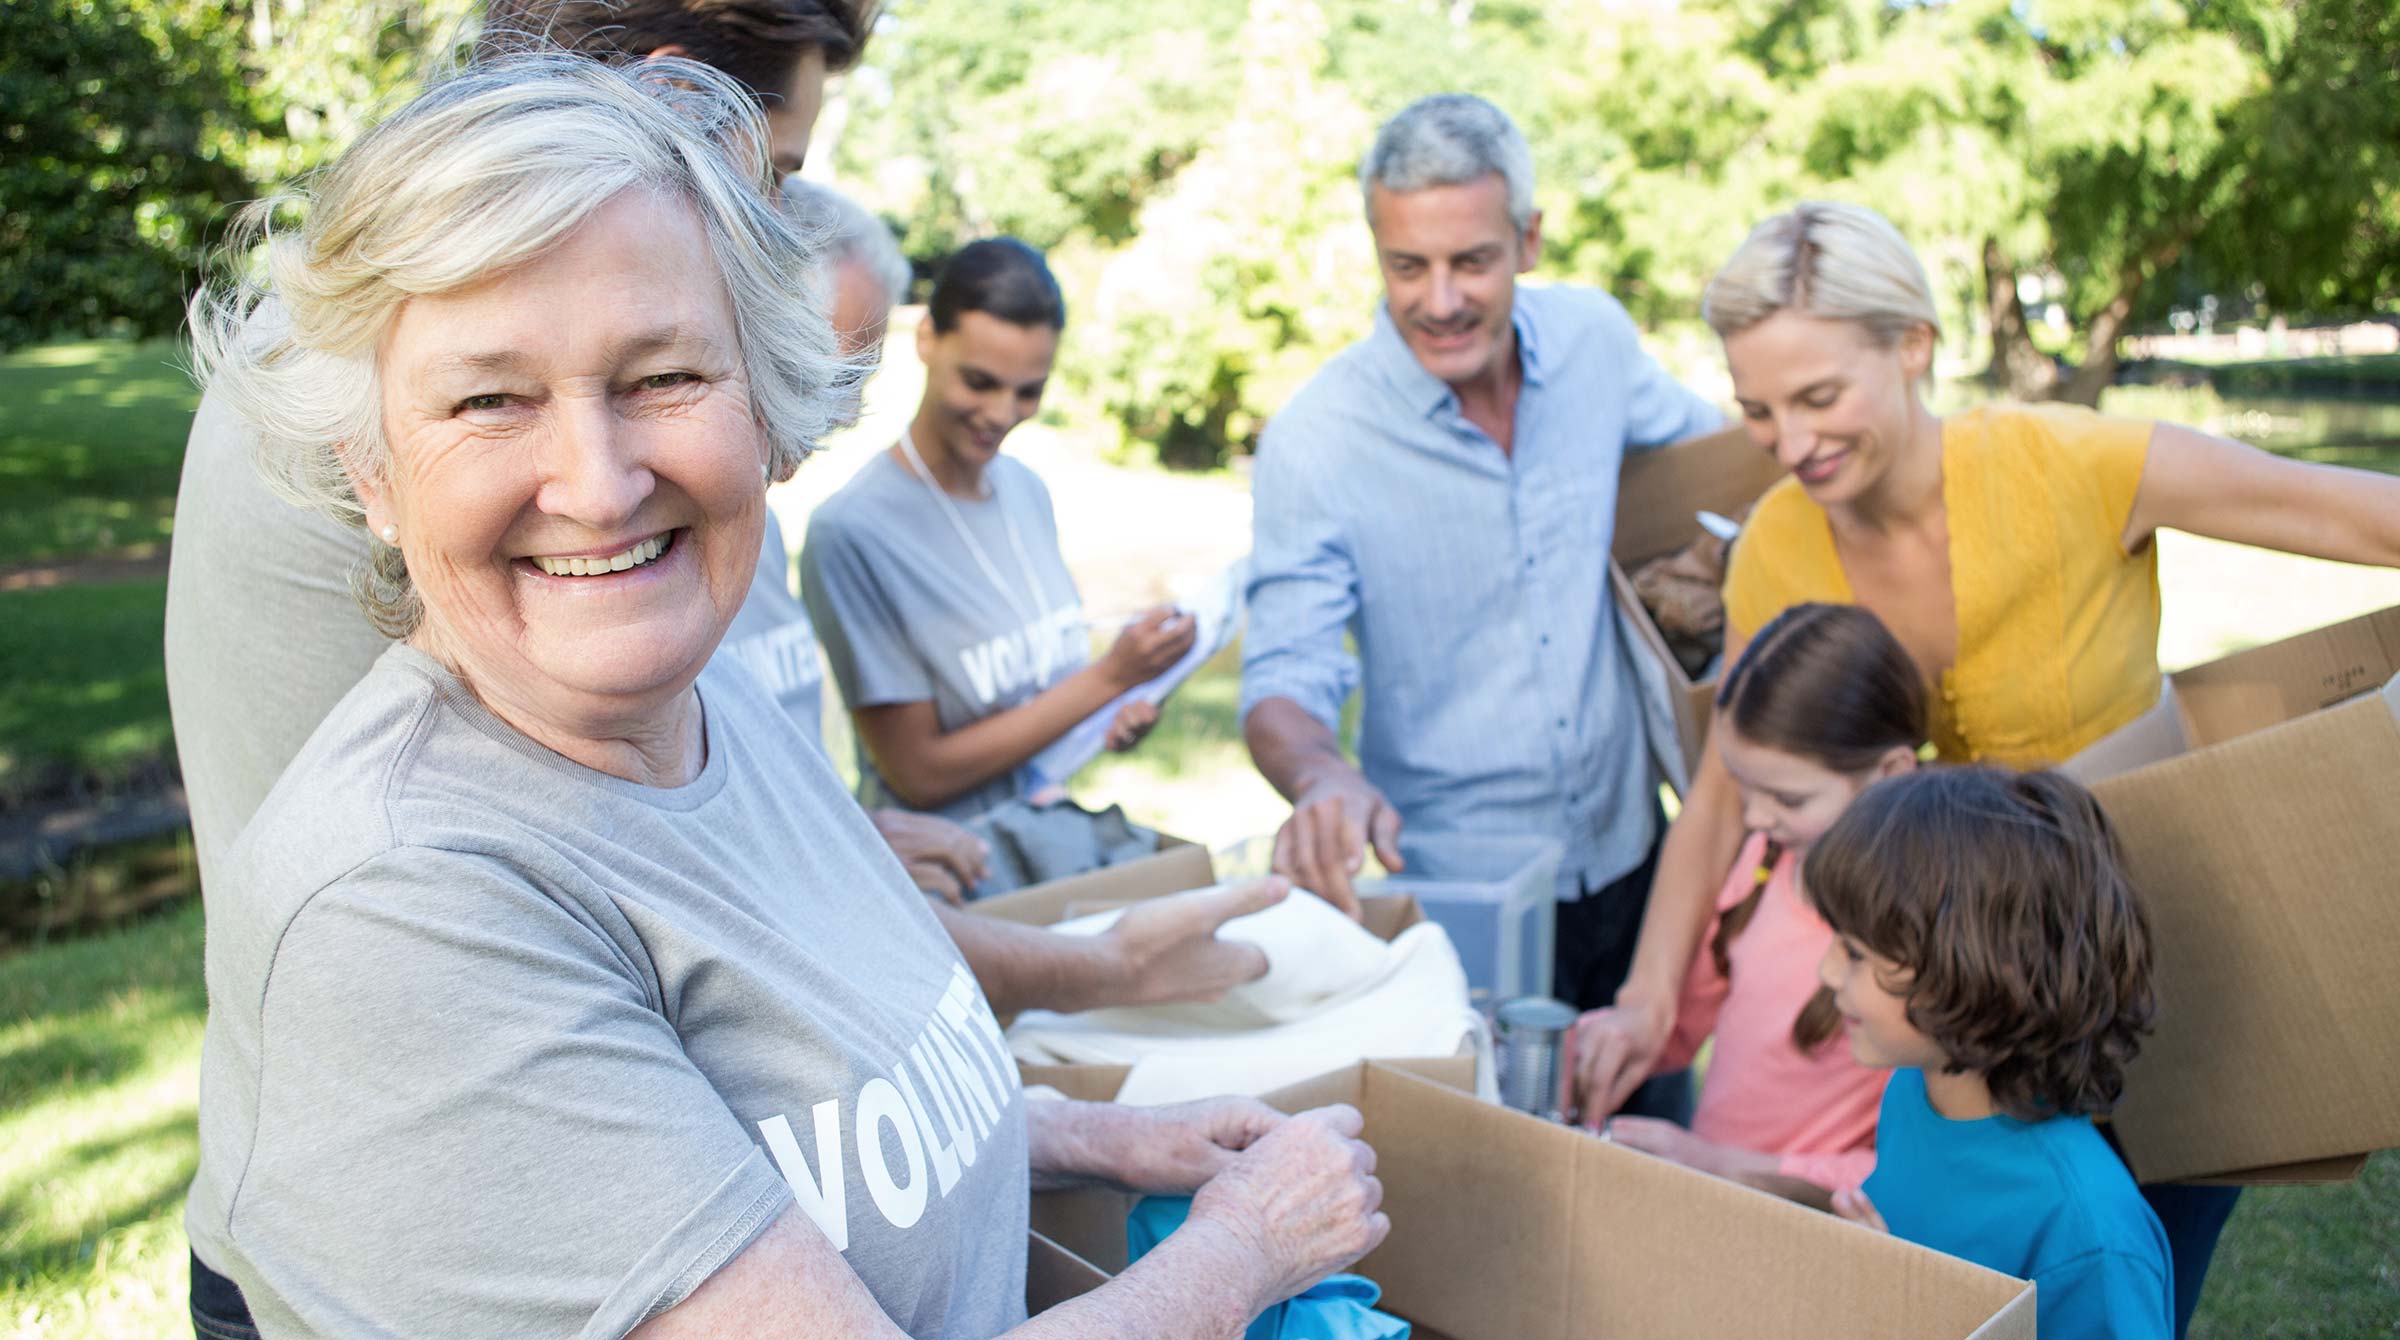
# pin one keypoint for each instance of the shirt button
(1545, 639)
(1562, 723)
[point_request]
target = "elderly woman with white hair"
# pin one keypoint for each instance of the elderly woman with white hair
(565, 992)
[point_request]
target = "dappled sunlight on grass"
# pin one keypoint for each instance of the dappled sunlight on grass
(99, 1085)
(73, 487)
(85, 678)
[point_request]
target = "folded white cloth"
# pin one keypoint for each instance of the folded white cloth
(1314, 955)
(1333, 995)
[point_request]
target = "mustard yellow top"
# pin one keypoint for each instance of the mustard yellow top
(2057, 624)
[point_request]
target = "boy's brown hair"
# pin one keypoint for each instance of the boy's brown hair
(2004, 898)
(1828, 683)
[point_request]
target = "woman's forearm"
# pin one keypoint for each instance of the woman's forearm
(928, 767)
(1700, 847)
(1202, 1282)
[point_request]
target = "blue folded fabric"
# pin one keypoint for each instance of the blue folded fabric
(1341, 1307)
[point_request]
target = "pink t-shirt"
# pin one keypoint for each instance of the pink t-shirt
(1816, 1110)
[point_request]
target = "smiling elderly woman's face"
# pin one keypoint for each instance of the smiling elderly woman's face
(576, 474)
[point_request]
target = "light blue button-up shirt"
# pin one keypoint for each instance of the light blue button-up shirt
(1498, 697)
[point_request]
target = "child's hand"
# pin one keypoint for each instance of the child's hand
(1666, 1140)
(1852, 1204)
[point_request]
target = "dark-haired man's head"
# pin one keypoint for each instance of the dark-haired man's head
(781, 50)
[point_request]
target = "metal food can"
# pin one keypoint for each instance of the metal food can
(1531, 1045)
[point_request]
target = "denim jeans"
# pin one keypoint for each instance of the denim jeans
(218, 1312)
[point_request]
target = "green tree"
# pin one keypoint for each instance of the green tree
(122, 129)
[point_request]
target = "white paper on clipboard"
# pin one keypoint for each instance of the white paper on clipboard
(1216, 608)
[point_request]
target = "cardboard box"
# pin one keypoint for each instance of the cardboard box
(1505, 1226)
(1659, 496)
(2259, 806)
(1174, 869)
(1053, 1275)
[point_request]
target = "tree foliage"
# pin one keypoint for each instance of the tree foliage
(130, 129)
(122, 126)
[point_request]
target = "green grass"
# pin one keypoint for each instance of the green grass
(99, 1085)
(91, 446)
(85, 682)
(2348, 373)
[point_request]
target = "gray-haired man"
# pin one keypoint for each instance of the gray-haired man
(1442, 492)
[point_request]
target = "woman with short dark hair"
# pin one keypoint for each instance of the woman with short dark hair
(934, 576)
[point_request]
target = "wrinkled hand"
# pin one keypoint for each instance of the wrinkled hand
(1852, 1204)
(1669, 1141)
(1324, 843)
(1174, 1150)
(1166, 949)
(1150, 646)
(1304, 1200)
(1611, 1052)
(941, 858)
(1133, 722)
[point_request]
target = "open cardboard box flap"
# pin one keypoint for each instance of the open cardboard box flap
(2259, 807)
(1659, 497)
(1506, 1226)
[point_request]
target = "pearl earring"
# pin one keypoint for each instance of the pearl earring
(766, 471)
(391, 533)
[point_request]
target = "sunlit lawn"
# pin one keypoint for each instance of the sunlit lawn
(91, 444)
(85, 681)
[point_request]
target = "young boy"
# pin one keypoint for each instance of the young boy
(1990, 950)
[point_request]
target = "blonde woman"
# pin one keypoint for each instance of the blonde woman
(2007, 547)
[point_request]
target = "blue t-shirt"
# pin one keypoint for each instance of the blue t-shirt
(2046, 1201)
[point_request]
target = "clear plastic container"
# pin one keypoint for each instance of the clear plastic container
(1497, 897)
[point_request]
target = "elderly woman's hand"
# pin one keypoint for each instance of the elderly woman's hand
(1188, 1143)
(1303, 1201)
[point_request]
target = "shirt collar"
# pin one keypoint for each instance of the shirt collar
(1427, 393)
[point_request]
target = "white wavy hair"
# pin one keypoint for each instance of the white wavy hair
(1836, 262)
(483, 172)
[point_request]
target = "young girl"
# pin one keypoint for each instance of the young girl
(1821, 704)
(1990, 951)
(934, 576)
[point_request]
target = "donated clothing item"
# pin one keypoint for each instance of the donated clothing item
(1338, 1307)
(909, 611)
(1314, 954)
(2045, 1201)
(1816, 1109)
(1032, 843)
(1499, 696)
(2057, 624)
(499, 1045)
(771, 638)
(263, 635)
(1414, 1003)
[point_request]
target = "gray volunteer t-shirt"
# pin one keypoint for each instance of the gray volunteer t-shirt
(908, 613)
(772, 639)
(498, 1045)
(264, 637)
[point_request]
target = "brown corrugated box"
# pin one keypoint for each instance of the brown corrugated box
(1504, 1226)
(1659, 497)
(2259, 806)
(1178, 866)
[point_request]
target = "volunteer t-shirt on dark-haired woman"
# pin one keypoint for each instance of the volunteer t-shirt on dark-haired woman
(920, 596)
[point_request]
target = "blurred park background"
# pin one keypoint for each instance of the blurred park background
(2188, 211)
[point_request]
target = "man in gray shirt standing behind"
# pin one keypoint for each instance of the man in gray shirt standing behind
(1443, 492)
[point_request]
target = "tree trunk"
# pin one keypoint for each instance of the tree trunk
(2017, 370)
(2098, 371)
